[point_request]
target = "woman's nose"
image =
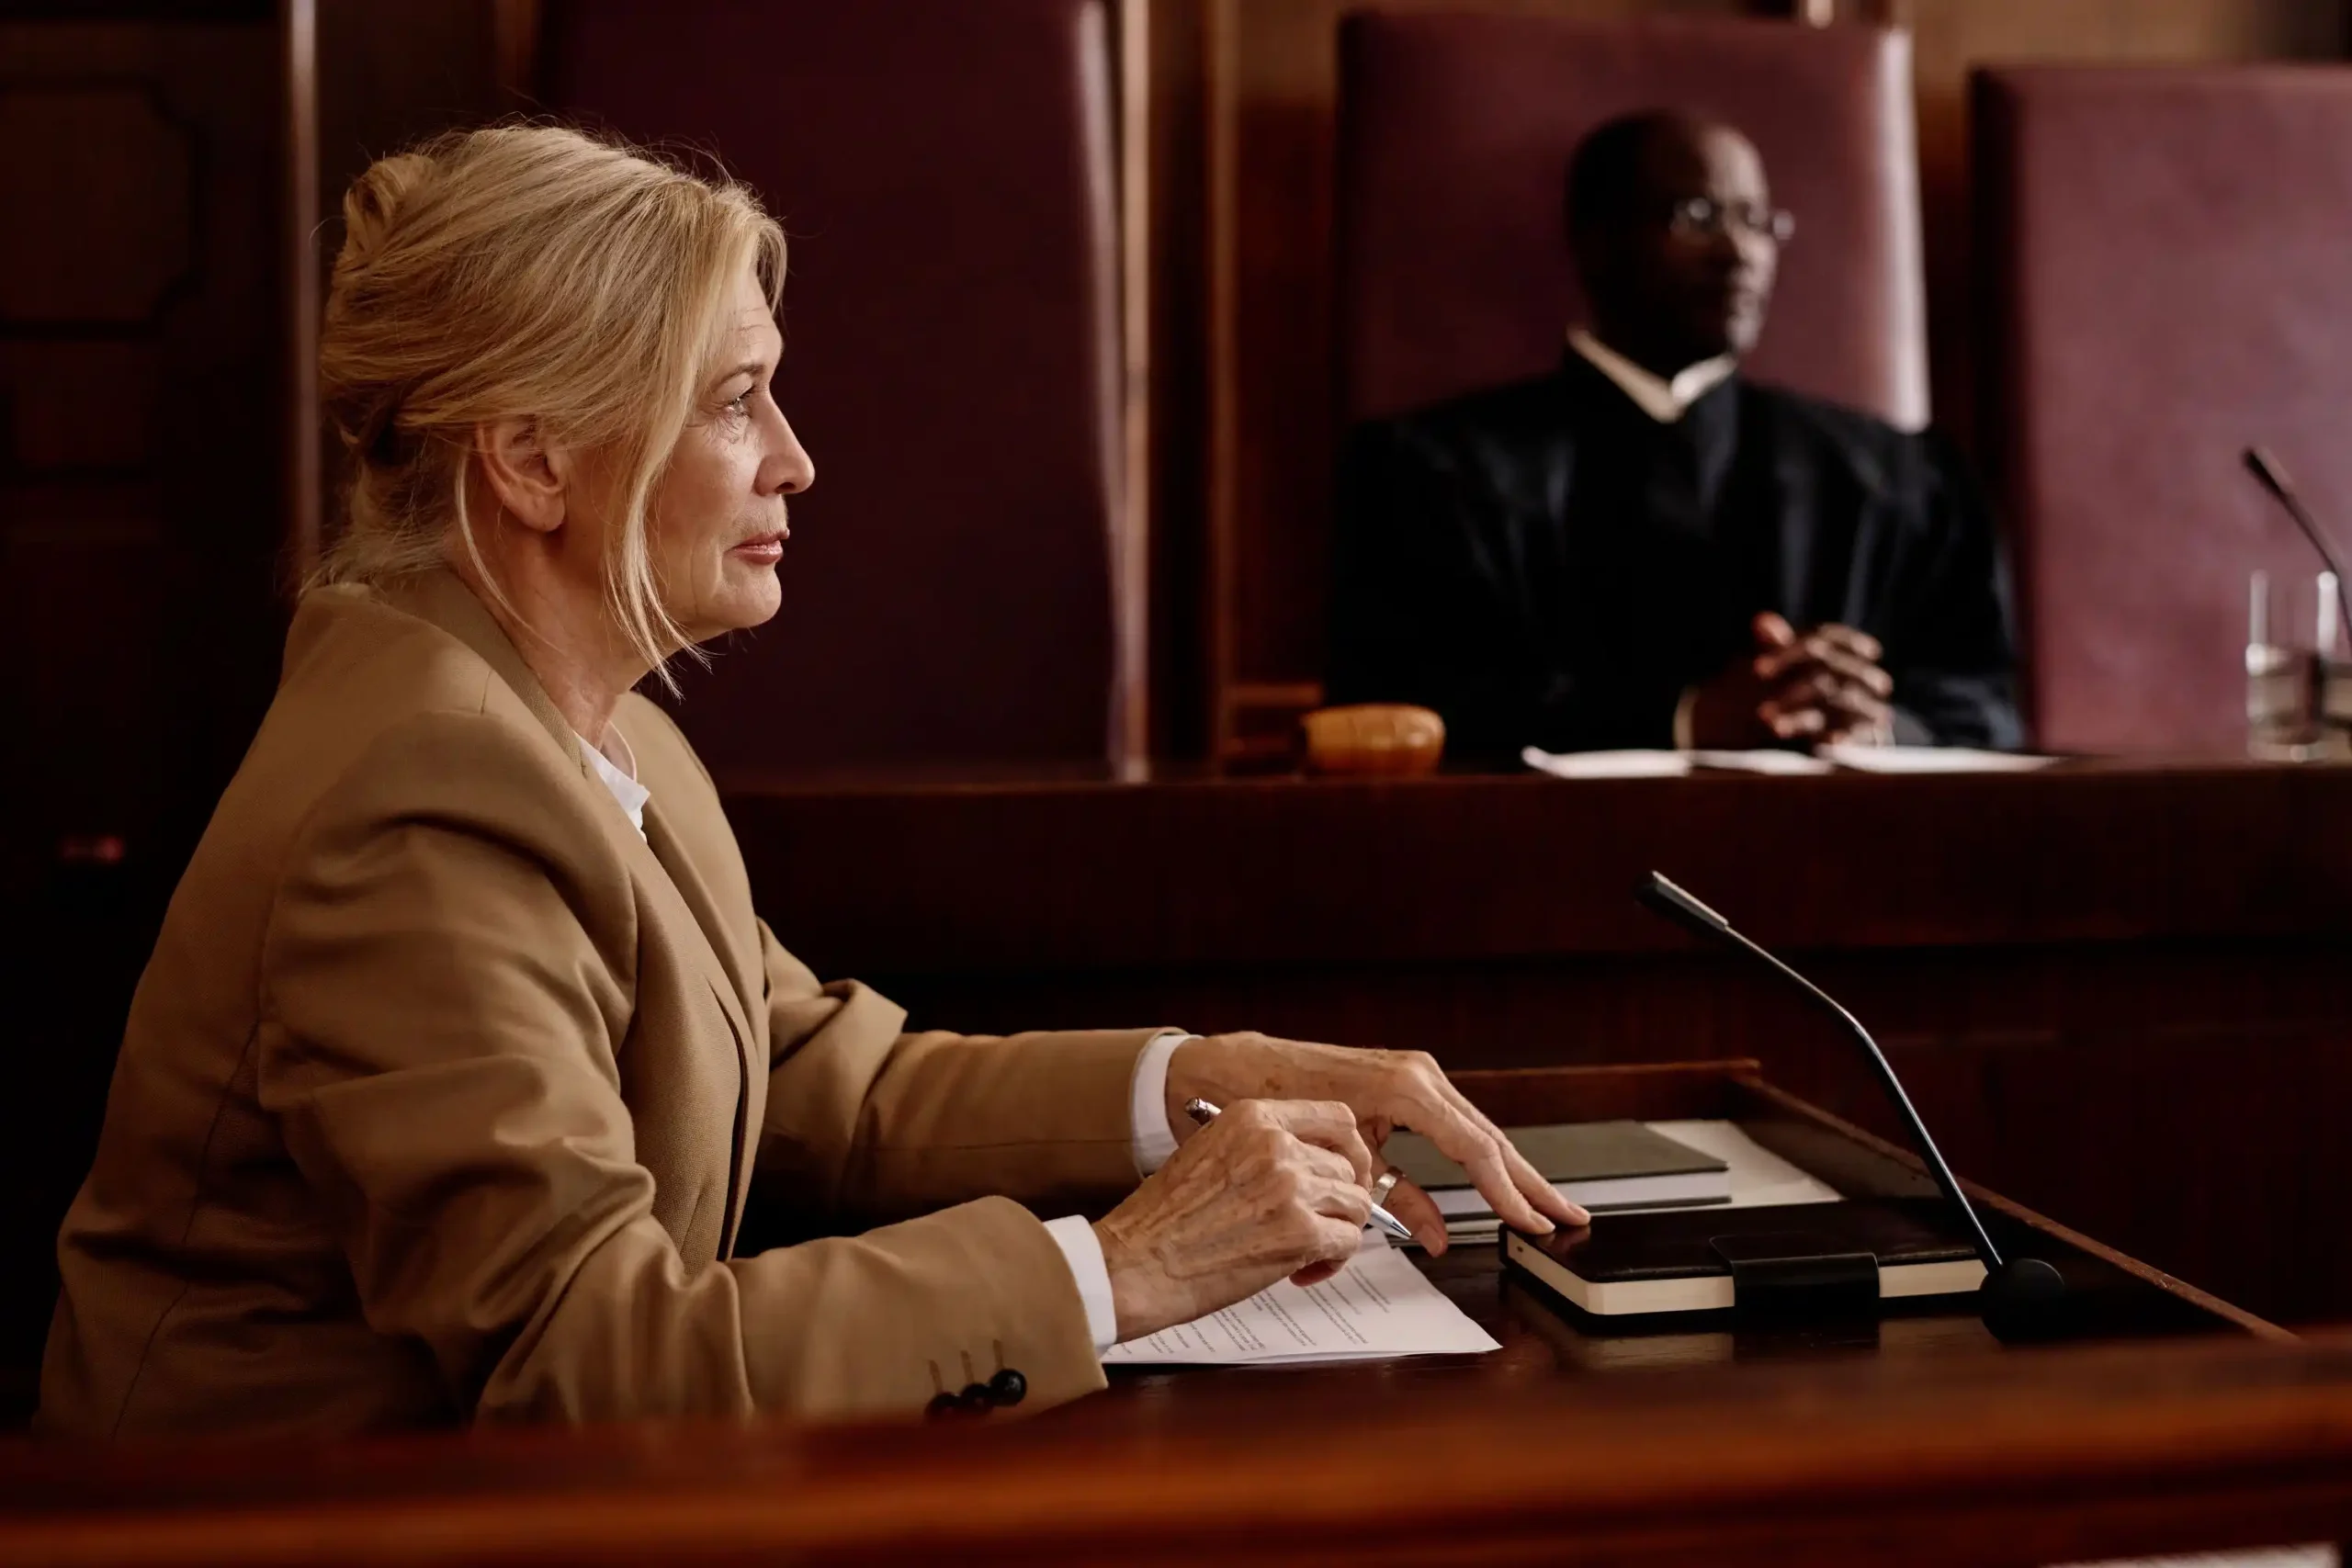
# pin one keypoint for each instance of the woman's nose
(789, 468)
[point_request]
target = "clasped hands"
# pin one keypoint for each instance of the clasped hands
(1277, 1186)
(1823, 686)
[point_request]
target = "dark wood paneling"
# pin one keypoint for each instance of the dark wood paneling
(141, 461)
(1287, 871)
(2063, 965)
(1951, 38)
(386, 77)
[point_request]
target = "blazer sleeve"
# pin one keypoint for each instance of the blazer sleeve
(439, 1032)
(865, 1119)
(1952, 644)
(1427, 600)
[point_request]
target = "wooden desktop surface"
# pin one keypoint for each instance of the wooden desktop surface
(2174, 1423)
(2117, 989)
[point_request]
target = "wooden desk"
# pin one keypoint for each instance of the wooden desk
(2118, 989)
(1925, 1443)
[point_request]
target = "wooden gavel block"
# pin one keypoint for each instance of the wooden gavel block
(1374, 737)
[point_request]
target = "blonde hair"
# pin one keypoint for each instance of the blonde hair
(524, 272)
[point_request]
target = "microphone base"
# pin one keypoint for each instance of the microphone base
(2025, 1301)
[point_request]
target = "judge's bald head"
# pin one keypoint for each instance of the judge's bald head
(1675, 237)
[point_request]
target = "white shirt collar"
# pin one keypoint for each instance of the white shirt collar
(1664, 400)
(619, 776)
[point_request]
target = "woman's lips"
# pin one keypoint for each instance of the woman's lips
(765, 550)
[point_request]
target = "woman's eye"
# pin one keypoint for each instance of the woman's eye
(740, 405)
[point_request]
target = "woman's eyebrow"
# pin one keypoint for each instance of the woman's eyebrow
(752, 367)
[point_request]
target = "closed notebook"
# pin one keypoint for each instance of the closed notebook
(1603, 1166)
(1638, 1264)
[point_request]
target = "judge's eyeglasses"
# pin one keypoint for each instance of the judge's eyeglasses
(1704, 218)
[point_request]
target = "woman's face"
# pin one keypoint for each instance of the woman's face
(716, 526)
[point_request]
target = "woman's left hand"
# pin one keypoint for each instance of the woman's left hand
(1387, 1089)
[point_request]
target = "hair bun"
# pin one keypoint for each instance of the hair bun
(374, 203)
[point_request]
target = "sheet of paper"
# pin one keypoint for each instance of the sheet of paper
(1607, 764)
(1379, 1306)
(2314, 1556)
(1759, 1177)
(1666, 764)
(1827, 759)
(1931, 760)
(1762, 762)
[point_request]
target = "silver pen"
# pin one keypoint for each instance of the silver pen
(1201, 1111)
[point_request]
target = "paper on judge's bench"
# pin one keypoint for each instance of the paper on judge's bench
(1825, 760)
(1379, 1306)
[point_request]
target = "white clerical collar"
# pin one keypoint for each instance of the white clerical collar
(619, 776)
(1664, 400)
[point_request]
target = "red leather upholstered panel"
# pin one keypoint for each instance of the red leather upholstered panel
(1455, 132)
(943, 174)
(2172, 250)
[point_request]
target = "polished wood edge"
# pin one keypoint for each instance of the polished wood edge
(2219, 1440)
(749, 785)
(515, 46)
(303, 422)
(1132, 525)
(1787, 1104)
(1221, 69)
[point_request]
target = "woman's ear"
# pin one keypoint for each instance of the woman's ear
(530, 477)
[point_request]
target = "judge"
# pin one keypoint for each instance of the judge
(462, 1048)
(1647, 548)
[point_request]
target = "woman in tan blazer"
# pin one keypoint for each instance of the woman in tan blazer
(461, 1047)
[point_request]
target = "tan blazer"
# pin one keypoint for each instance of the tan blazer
(443, 1092)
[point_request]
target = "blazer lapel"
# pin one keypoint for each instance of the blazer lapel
(672, 885)
(736, 993)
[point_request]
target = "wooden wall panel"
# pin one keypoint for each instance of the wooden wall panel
(386, 77)
(141, 453)
(1950, 38)
(1270, 73)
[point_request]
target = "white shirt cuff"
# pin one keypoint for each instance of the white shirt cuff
(1147, 1102)
(1082, 1250)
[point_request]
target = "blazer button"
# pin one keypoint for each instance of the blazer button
(942, 1405)
(1008, 1387)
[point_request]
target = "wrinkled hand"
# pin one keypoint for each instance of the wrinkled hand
(1384, 1090)
(1270, 1188)
(1825, 686)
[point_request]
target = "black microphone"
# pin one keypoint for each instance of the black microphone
(2022, 1297)
(2272, 477)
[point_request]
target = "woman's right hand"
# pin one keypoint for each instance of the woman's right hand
(1272, 1189)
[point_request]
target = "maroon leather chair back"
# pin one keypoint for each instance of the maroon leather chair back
(2171, 251)
(1455, 131)
(943, 174)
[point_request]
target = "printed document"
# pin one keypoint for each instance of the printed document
(1379, 1306)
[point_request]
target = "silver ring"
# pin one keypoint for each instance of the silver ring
(1385, 1184)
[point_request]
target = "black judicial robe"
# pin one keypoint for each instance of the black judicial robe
(1544, 564)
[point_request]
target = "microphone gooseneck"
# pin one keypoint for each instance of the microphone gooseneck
(2020, 1295)
(2273, 479)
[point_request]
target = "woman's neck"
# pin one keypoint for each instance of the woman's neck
(565, 634)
